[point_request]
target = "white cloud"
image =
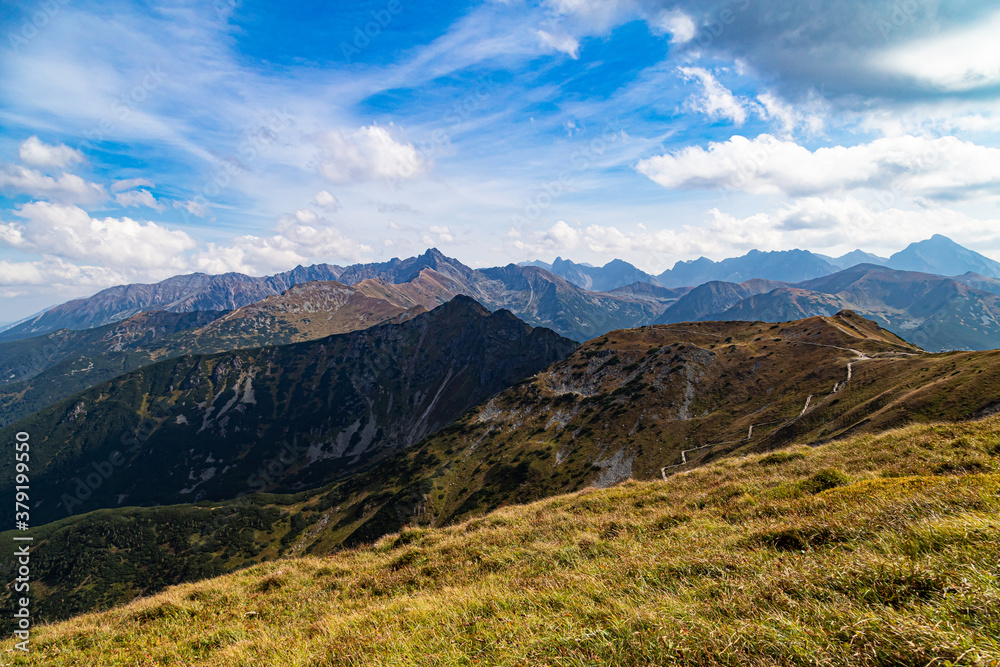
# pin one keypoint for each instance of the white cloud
(129, 183)
(139, 198)
(677, 24)
(922, 167)
(958, 60)
(560, 42)
(119, 243)
(58, 273)
(197, 209)
(36, 153)
(558, 239)
(366, 154)
(300, 238)
(443, 233)
(715, 101)
(324, 199)
(66, 189)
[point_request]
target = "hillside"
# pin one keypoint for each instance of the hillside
(872, 550)
(644, 404)
(67, 362)
(287, 417)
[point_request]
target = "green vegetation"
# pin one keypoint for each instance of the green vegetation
(873, 550)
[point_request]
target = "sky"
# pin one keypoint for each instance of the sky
(140, 141)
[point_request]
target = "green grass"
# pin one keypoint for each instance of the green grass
(867, 551)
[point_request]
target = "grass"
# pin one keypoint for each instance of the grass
(866, 551)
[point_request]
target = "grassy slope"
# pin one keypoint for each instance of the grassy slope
(873, 550)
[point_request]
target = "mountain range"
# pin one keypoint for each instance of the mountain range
(644, 403)
(934, 312)
(278, 417)
(938, 255)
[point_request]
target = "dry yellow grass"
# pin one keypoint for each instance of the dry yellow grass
(877, 550)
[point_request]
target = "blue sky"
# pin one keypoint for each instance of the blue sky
(139, 141)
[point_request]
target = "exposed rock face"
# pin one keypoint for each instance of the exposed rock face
(286, 417)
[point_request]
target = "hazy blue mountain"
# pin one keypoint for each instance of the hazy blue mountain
(854, 258)
(935, 312)
(789, 266)
(942, 256)
(614, 274)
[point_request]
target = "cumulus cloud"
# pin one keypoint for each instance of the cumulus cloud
(558, 239)
(119, 243)
(715, 100)
(65, 189)
(58, 273)
(139, 198)
(944, 168)
(36, 153)
(302, 237)
(366, 154)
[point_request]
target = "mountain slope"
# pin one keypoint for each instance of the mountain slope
(868, 551)
(287, 417)
(942, 256)
(307, 311)
(714, 297)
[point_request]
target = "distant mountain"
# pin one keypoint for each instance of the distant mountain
(614, 274)
(180, 294)
(310, 311)
(790, 266)
(854, 258)
(942, 256)
(934, 312)
(287, 417)
(714, 297)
